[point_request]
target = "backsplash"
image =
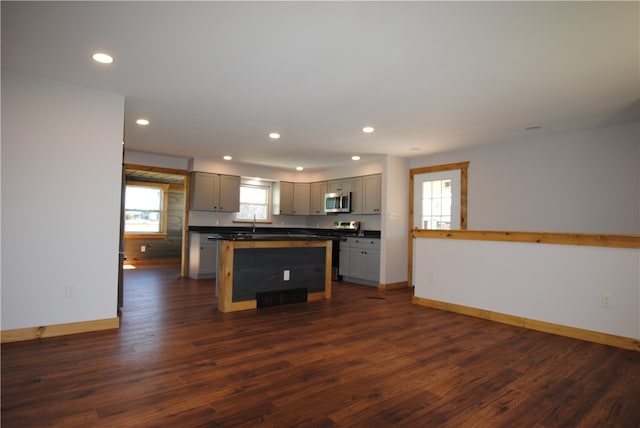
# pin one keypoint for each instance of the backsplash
(204, 218)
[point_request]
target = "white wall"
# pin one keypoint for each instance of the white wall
(395, 220)
(560, 284)
(579, 182)
(152, 159)
(61, 178)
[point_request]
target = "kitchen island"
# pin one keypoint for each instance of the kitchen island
(264, 269)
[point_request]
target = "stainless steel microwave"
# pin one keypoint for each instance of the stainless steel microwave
(337, 202)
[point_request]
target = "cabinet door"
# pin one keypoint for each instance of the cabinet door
(229, 193)
(373, 265)
(334, 186)
(342, 185)
(208, 259)
(283, 198)
(301, 196)
(358, 263)
(345, 259)
(371, 194)
(204, 191)
(203, 256)
(356, 195)
(316, 203)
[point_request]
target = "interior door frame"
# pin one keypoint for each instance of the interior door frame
(184, 262)
(463, 167)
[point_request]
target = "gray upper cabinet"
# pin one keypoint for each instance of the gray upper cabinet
(316, 202)
(214, 192)
(371, 194)
(282, 198)
(301, 198)
(341, 185)
(366, 194)
(291, 198)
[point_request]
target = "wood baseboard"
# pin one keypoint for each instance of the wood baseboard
(393, 285)
(32, 333)
(545, 327)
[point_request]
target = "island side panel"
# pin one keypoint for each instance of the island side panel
(328, 270)
(226, 274)
(258, 270)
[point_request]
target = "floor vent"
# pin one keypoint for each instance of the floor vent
(281, 297)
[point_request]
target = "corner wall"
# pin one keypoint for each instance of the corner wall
(61, 178)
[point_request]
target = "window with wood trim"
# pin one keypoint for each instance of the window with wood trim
(145, 211)
(254, 202)
(439, 196)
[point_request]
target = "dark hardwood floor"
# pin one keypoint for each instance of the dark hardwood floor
(363, 359)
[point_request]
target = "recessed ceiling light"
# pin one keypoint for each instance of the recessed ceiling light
(368, 129)
(102, 58)
(274, 135)
(227, 157)
(299, 168)
(355, 157)
(143, 122)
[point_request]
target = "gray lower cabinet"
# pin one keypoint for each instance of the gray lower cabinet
(360, 260)
(203, 256)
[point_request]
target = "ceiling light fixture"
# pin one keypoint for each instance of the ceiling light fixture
(274, 135)
(355, 157)
(299, 168)
(227, 157)
(102, 58)
(142, 122)
(368, 129)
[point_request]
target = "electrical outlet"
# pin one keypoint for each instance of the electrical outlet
(143, 248)
(431, 277)
(287, 275)
(69, 291)
(606, 300)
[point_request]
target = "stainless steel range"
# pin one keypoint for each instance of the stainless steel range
(347, 226)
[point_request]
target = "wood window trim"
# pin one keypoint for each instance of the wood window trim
(463, 167)
(163, 213)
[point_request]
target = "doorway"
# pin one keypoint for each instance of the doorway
(153, 235)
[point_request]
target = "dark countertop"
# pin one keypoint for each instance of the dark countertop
(282, 233)
(260, 236)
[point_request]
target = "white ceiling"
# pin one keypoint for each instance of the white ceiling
(214, 78)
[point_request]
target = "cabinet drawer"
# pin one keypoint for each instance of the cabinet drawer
(364, 243)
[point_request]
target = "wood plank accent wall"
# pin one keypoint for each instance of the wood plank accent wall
(161, 249)
(586, 239)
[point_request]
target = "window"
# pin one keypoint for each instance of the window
(436, 204)
(254, 203)
(145, 206)
(439, 197)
